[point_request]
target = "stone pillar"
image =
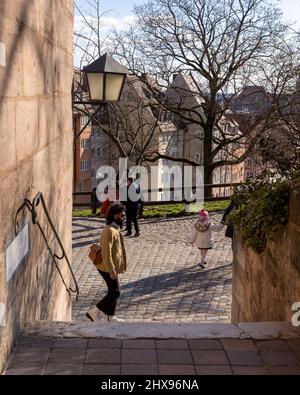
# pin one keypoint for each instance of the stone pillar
(265, 286)
(36, 70)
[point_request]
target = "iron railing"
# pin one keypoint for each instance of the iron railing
(93, 202)
(32, 207)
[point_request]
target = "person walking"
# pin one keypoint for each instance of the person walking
(233, 206)
(112, 264)
(132, 206)
(230, 229)
(202, 235)
(112, 195)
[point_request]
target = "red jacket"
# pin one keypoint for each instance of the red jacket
(106, 205)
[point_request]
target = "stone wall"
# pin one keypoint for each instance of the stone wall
(35, 156)
(265, 286)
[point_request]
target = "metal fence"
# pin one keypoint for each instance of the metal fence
(93, 203)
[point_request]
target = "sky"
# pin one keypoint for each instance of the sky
(124, 8)
(291, 10)
(119, 14)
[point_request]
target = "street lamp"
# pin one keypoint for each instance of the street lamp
(106, 78)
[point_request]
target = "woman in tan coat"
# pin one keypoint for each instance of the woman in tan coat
(112, 264)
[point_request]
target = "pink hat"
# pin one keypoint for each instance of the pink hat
(203, 214)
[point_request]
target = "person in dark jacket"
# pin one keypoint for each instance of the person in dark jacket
(132, 207)
(230, 228)
(232, 207)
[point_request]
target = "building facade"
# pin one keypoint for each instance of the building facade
(140, 115)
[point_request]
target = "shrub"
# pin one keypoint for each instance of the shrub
(262, 211)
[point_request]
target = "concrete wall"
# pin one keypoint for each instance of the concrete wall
(35, 156)
(265, 286)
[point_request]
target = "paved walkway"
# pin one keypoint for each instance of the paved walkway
(163, 282)
(74, 349)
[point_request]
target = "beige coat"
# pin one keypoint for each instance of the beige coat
(112, 250)
(202, 234)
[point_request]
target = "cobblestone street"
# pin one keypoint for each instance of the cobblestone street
(163, 282)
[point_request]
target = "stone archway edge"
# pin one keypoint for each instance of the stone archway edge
(268, 330)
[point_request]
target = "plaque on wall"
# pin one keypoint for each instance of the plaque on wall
(17, 252)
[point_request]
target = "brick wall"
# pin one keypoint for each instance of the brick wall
(265, 286)
(35, 155)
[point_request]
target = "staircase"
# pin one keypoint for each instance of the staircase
(80, 348)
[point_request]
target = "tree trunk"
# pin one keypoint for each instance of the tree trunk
(207, 160)
(208, 180)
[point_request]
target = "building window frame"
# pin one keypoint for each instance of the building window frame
(85, 144)
(85, 165)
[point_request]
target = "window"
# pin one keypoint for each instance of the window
(94, 171)
(174, 117)
(85, 120)
(93, 152)
(95, 130)
(226, 128)
(175, 152)
(167, 138)
(98, 152)
(165, 117)
(235, 177)
(174, 139)
(85, 143)
(78, 95)
(199, 157)
(85, 165)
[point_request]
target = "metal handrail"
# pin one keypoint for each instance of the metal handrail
(32, 208)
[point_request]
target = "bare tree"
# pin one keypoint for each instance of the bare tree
(130, 124)
(224, 45)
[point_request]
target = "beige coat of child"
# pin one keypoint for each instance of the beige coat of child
(202, 234)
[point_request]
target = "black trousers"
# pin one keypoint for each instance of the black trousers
(132, 216)
(108, 304)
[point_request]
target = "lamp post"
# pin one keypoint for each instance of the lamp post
(105, 78)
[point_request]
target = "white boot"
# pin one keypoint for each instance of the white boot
(113, 318)
(94, 314)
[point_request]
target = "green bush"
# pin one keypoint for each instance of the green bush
(262, 211)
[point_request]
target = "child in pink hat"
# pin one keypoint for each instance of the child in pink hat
(202, 235)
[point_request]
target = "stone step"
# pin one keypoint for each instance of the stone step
(79, 329)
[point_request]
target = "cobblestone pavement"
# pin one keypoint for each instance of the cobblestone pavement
(81, 356)
(163, 282)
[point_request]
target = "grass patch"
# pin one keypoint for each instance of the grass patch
(164, 211)
(169, 210)
(178, 210)
(85, 213)
(217, 206)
